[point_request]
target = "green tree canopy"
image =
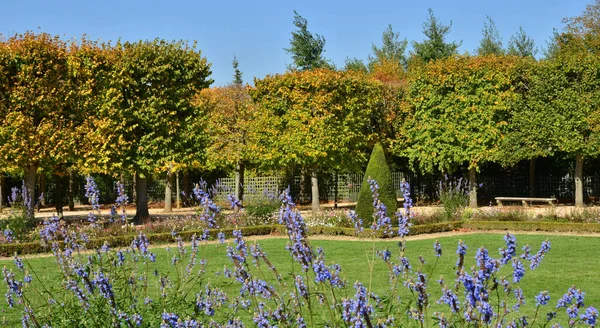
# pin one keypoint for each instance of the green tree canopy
(306, 49)
(522, 45)
(456, 113)
(149, 123)
(322, 116)
(34, 131)
(434, 46)
(355, 64)
(392, 49)
(237, 75)
(491, 43)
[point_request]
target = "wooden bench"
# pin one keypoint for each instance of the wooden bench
(525, 200)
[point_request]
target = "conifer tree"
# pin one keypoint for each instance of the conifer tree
(378, 170)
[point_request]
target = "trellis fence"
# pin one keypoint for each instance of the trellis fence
(343, 187)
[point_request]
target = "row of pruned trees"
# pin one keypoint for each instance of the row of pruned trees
(92, 107)
(449, 112)
(145, 108)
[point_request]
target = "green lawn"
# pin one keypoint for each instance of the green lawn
(572, 260)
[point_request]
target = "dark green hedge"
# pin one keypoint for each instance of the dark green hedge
(125, 240)
(533, 226)
(165, 238)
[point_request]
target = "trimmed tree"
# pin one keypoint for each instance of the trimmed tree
(149, 124)
(321, 120)
(456, 112)
(378, 170)
(34, 128)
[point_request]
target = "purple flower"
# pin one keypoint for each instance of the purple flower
(385, 255)
(358, 223)
(296, 230)
(210, 299)
(221, 237)
(19, 262)
(357, 309)
(437, 248)
(93, 195)
(381, 221)
(209, 208)
(404, 218)
(590, 316)
(542, 298)
(520, 299)
(233, 201)
(518, 270)
(537, 258)
(122, 200)
(105, 287)
(511, 248)
(8, 235)
(449, 298)
(301, 286)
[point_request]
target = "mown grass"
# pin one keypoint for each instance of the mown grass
(572, 260)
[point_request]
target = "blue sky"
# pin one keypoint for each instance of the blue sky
(257, 31)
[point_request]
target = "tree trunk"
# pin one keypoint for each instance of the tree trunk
(30, 173)
(168, 193)
(314, 184)
(532, 177)
(71, 190)
(302, 185)
(473, 187)
(579, 180)
(177, 191)
(186, 184)
(141, 204)
(2, 183)
(58, 194)
(239, 183)
(41, 199)
(134, 191)
(335, 191)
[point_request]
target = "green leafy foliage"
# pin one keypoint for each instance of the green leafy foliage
(392, 49)
(306, 49)
(434, 46)
(155, 123)
(378, 170)
(456, 112)
(333, 108)
(521, 45)
(491, 43)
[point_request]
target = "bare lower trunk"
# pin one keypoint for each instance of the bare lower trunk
(30, 173)
(335, 191)
(2, 183)
(141, 203)
(168, 193)
(302, 185)
(71, 190)
(579, 180)
(134, 191)
(58, 194)
(532, 177)
(186, 183)
(177, 191)
(314, 184)
(472, 188)
(41, 200)
(239, 183)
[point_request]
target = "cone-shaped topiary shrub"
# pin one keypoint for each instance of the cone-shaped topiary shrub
(378, 170)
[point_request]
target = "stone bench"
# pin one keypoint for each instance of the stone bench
(525, 200)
